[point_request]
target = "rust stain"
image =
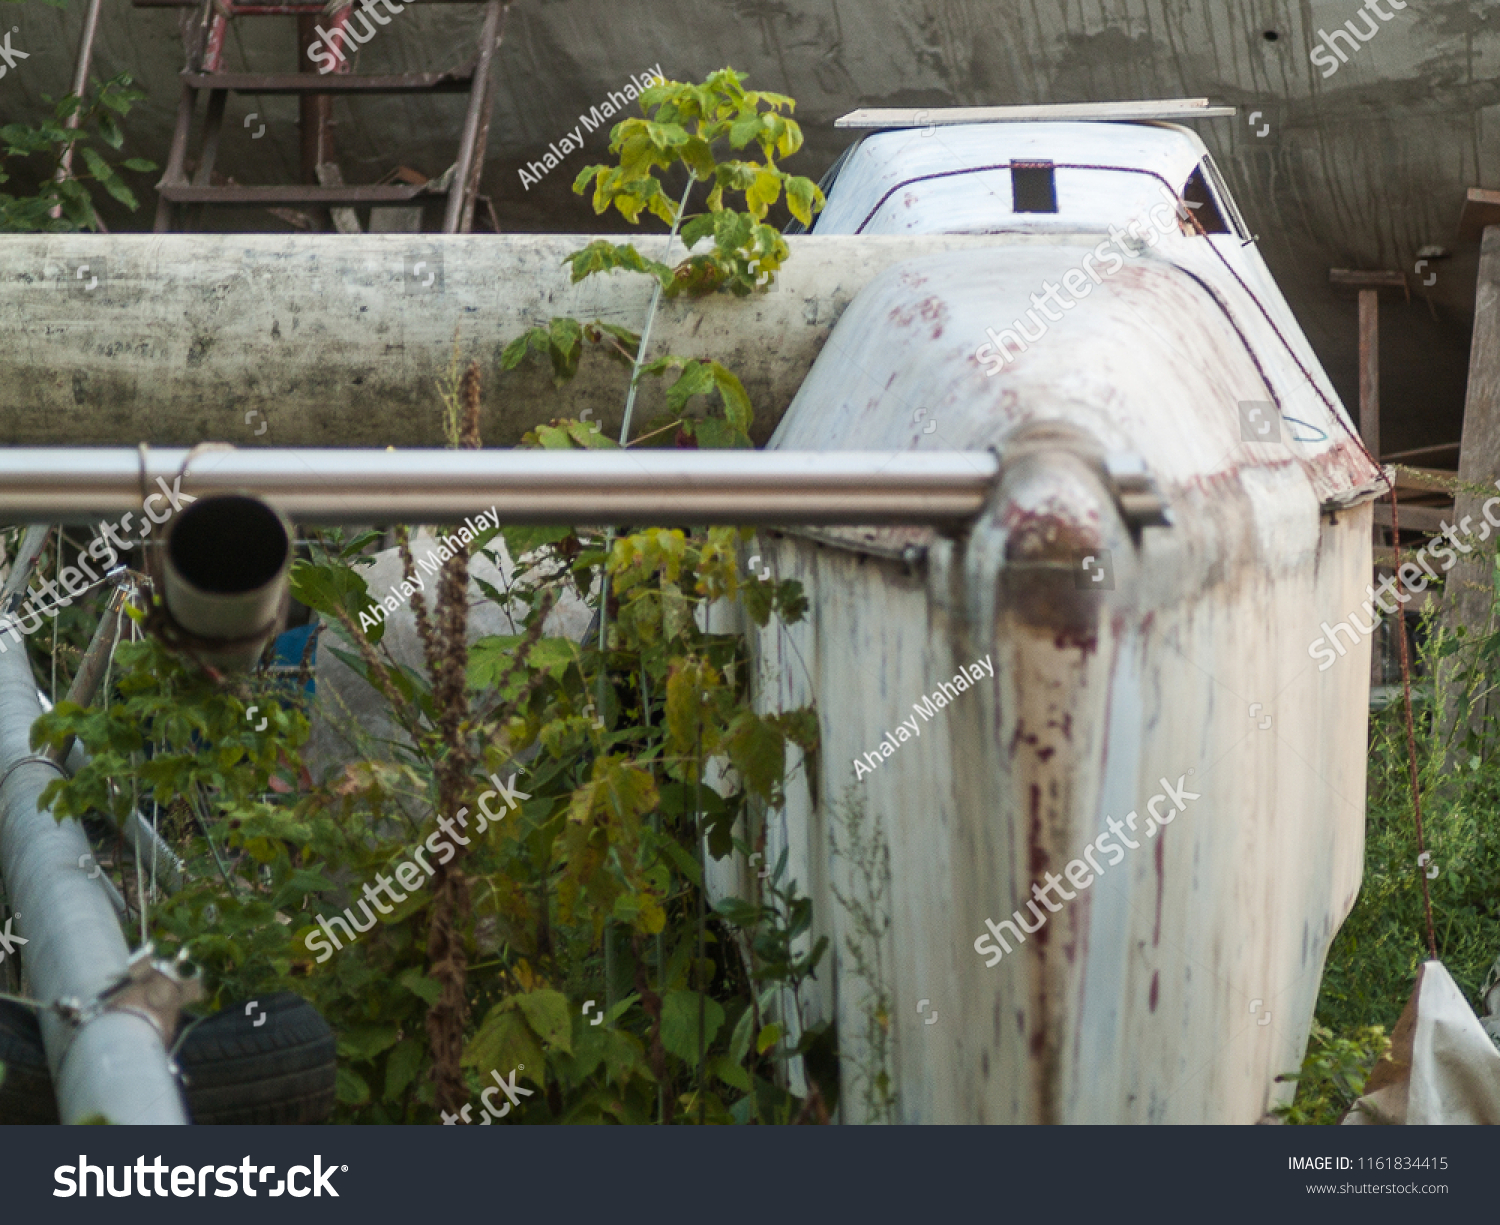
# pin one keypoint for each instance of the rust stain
(1039, 860)
(1155, 988)
(931, 310)
(1156, 857)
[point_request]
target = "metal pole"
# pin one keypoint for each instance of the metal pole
(113, 1065)
(80, 84)
(489, 39)
(91, 666)
(88, 484)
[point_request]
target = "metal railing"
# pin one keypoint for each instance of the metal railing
(84, 484)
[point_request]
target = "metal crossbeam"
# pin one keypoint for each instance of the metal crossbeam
(86, 484)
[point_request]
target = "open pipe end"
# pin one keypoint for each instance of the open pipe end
(226, 569)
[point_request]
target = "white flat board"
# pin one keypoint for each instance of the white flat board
(910, 117)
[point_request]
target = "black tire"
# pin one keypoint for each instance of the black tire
(26, 1093)
(235, 1071)
(278, 1071)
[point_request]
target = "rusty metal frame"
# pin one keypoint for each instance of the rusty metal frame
(202, 74)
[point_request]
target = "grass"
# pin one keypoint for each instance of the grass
(1373, 962)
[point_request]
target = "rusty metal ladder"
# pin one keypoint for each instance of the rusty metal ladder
(205, 74)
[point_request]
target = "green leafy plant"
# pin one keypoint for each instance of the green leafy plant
(609, 842)
(683, 126)
(1372, 965)
(687, 127)
(46, 145)
(633, 761)
(1333, 1073)
(864, 897)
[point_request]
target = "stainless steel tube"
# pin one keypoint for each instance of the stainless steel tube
(88, 484)
(225, 576)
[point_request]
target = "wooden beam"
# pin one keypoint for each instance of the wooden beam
(1481, 209)
(1479, 455)
(1426, 480)
(1358, 279)
(1442, 448)
(1369, 284)
(1414, 518)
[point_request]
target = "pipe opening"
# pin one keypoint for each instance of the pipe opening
(228, 544)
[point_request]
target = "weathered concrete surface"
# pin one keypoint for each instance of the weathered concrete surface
(299, 340)
(1359, 169)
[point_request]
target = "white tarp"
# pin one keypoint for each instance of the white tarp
(1442, 1066)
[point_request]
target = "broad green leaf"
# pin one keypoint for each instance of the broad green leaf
(737, 407)
(362, 1043)
(679, 1023)
(401, 1067)
(350, 1087)
(417, 982)
(492, 657)
(624, 1057)
(324, 587)
(801, 195)
(730, 1072)
(695, 379)
(758, 752)
(519, 541)
(550, 1017)
(505, 1042)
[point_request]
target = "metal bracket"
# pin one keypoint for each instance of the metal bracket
(153, 989)
(1123, 473)
(1135, 491)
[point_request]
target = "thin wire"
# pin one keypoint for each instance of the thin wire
(57, 583)
(142, 896)
(140, 882)
(200, 815)
(1405, 655)
(183, 1036)
(6, 621)
(1411, 736)
(702, 918)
